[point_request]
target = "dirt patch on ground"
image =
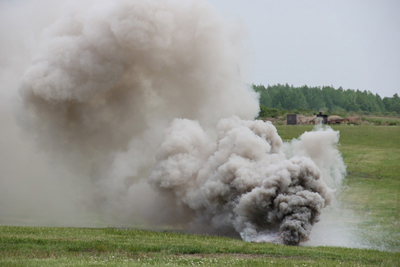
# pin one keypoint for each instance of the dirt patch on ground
(302, 119)
(334, 117)
(274, 120)
(355, 119)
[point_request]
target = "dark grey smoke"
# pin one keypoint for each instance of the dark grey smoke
(243, 182)
(99, 84)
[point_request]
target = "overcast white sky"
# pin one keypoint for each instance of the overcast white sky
(350, 43)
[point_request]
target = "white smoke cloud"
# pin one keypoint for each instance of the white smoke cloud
(100, 83)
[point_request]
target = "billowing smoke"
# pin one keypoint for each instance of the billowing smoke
(144, 105)
(244, 182)
(107, 78)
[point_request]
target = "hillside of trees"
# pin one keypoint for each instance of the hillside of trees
(279, 97)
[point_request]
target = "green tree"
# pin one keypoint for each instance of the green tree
(314, 98)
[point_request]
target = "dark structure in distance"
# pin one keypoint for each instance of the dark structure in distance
(291, 119)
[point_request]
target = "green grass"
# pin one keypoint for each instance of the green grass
(371, 190)
(36, 246)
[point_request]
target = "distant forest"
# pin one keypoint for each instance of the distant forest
(277, 98)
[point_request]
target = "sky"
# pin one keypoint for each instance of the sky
(354, 44)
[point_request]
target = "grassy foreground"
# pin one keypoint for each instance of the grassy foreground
(36, 246)
(372, 191)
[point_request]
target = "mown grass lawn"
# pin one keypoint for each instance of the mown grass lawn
(36, 246)
(371, 190)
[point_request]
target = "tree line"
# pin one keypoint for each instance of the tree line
(280, 97)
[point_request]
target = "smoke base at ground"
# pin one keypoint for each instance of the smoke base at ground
(244, 182)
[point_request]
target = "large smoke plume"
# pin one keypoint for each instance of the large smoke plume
(143, 107)
(244, 182)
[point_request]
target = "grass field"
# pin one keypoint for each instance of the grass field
(371, 190)
(35, 246)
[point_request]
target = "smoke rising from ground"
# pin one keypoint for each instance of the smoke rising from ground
(139, 112)
(244, 182)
